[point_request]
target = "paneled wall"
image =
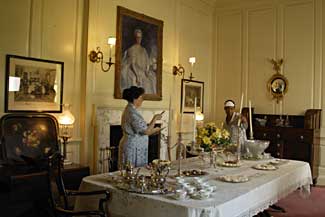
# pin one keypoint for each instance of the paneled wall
(50, 30)
(249, 34)
(187, 32)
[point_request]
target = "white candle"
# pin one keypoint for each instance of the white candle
(170, 109)
(241, 106)
(194, 121)
(170, 115)
(181, 119)
(241, 102)
(250, 119)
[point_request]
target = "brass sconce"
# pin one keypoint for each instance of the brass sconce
(98, 56)
(179, 70)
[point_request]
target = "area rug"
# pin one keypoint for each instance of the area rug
(297, 206)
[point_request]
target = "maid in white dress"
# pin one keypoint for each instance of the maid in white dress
(133, 146)
(231, 123)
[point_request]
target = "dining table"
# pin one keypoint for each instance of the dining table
(263, 188)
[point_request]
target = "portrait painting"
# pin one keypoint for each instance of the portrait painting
(190, 90)
(39, 85)
(138, 53)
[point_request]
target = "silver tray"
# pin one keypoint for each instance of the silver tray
(125, 187)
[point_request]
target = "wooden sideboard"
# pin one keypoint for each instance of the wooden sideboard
(294, 137)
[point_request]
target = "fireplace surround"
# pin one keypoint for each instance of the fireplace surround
(108, 125)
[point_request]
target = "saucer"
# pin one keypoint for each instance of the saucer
(265, 167)
(231, 164)
(194, 173)
(234, 178)
(278, 162)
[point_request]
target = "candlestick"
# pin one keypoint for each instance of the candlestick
(170, 117)
(182, 111)
(194, 121)
(241, 107)
(250, 120)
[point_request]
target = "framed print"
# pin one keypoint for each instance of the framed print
(190, 90)
(138, 53)
(39, 85)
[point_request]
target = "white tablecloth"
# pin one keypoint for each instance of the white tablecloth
(230, 199)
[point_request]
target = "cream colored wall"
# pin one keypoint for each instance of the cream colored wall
(51, 30)
(67, 30)
(251, 32)
(181, 39)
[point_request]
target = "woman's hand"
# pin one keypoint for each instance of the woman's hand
(156, 130)
(157, 117)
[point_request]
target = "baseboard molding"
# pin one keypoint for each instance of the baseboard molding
(321, 180)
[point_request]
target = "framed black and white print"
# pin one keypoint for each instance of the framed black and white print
(190, 90)
(38, 85)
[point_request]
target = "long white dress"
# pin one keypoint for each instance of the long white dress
(135, 69)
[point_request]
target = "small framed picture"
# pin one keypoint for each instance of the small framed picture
(138, 53)
(33, 85)
(190, 90)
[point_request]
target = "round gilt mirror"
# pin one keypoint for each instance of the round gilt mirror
(278, 86)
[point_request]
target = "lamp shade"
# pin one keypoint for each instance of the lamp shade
(66, 118)
(199, 116)
(111, 41)
(192, 60)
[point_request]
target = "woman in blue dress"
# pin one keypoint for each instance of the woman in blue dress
(133, 146)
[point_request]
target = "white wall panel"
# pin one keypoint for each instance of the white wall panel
(14, 36)
(261, 44)
(299, 56)
(229, 60)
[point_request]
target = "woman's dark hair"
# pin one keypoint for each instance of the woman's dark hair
(132, 93)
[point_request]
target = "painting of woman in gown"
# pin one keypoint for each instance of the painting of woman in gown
(139, 54)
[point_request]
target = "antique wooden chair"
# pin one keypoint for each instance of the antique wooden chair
(60, 195)
(30, 167)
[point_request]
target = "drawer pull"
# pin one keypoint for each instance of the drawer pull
(302, 137)
(264, 135)
(278, 135)
(278, 145)
(278, 154)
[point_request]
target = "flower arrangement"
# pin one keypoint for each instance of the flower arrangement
(210, 136)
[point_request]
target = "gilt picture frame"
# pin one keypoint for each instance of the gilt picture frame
(138, 54)
(190, 90)
(40, 85)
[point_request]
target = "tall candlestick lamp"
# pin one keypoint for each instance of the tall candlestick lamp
(66, 121)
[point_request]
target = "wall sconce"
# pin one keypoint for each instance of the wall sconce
(192, 60)
(98, 56)
(178, 70)
(66, 121)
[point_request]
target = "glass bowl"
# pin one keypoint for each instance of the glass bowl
(256, 147)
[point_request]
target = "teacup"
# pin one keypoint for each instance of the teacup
(180, 194)
(203, 193)
(190, 189)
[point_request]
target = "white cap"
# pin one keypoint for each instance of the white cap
(229, 104)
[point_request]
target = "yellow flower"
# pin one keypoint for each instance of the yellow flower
(206, 140)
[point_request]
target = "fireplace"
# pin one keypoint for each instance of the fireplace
(115, 137)
(109, 133)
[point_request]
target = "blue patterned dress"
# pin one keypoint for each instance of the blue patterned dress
(133, 146)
